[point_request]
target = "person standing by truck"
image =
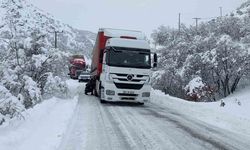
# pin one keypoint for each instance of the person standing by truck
(90, 86)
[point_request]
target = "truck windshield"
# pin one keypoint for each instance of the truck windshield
(128, 57)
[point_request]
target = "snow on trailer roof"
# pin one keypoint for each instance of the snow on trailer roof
(122, 32)
(140, 44)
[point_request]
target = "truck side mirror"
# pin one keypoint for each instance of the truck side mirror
(155, 60)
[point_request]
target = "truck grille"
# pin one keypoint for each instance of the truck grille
(132, 78)
(128, 86)
(127, 98)
(124, 94)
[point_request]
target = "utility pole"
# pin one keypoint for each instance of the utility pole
(220, 11)
(179, 22)
(56, 34)
(196, 21)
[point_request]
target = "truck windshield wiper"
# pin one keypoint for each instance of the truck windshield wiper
(115, 50)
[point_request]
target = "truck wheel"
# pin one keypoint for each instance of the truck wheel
(102, 101)
(100, 94)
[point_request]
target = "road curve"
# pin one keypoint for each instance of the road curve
(124, 126)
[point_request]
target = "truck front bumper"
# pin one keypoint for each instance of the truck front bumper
(110, 92)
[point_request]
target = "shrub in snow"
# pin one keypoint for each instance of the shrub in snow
(55, 86)
(196, 90)
(237, 101)
(168, 81)
(31, 93)
(222, 103)
(10, 106)
(10, 80)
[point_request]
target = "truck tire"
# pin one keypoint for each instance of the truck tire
(99, 94)
(102, 101)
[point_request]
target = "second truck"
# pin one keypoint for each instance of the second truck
(121, 66)
(76, 65)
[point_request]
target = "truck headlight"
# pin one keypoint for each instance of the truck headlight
(146, 94)
(110, 92)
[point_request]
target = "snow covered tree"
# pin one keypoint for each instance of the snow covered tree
(217, 52)
(232, 60)
(10, 105)
(55, 87)
(29, 64)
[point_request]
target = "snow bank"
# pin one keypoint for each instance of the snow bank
(42, 128)
(44, 124)
(74, 87)
(235, 116)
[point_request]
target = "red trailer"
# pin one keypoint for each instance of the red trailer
(96, 65)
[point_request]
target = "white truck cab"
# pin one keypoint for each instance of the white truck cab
(125, 67)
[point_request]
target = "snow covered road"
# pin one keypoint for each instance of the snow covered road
(126, 126)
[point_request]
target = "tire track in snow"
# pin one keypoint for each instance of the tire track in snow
(92, 128)
(215, 136)
(113, 130)
(153, 132)
(134, 129)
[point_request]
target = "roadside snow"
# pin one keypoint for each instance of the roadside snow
(43, 126)
(73, 86)
(234, 117)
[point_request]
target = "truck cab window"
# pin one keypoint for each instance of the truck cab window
(129, 57)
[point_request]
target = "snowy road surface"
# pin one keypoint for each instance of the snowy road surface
(96, 126)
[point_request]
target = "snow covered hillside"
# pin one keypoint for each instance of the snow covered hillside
(243, 10)
(20, 16)
(31, 69)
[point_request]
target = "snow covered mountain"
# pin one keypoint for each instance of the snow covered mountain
(18, 16)
(243, 10)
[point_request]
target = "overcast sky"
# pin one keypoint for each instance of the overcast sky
(144, 15)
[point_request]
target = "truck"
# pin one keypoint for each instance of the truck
(76, 65)
(121, 66)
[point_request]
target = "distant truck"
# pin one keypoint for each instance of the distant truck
(121, 66)
(77, 64)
